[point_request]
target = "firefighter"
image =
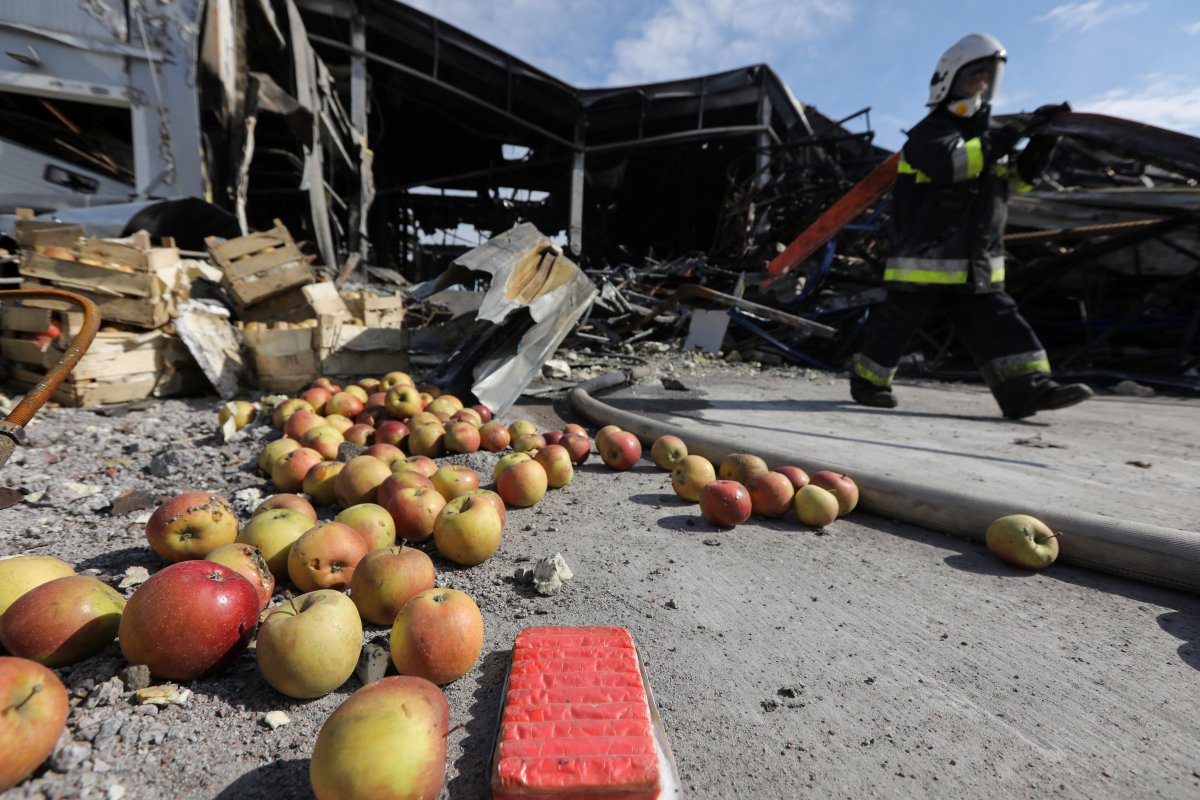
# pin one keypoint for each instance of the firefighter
(949, 213)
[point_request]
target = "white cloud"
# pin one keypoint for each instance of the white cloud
(692, 37)
(1168, 102)
(1193, 29)
(1086, 15)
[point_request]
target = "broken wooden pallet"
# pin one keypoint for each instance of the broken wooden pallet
(260, 267)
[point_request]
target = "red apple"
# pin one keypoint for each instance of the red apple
(483, 411)
(797, 476)
(578, 446)
(454, 479)
(324, 557)
(552, 437)
(360, 434)
(494, 437)
(842, 487)
(188, 620)
(346, 403)
(317, 397)
(461, 437)
(572, 427)
(522, 483)
(621, 450)
(389, 454)
(293, 501)
(371, 416)
(388, 578)
(191, 525)
(63, 621)
(422, 464)
(667, 451)
(391, 431)
(33, 714)
(771, 494)
(326, 440)
(467, 531)
(603, 433)
(400, 479)
(469, 416)
(725, 503)
(247, 560)
(289, 471)
(273, 452)
(414, 512)
(301, 423)
(320, 482)
(438, 635)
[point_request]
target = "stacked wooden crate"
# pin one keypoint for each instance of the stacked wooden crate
(265, 275)
(133, 284)
(288, 357)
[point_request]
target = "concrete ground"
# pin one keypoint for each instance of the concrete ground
(884, 660)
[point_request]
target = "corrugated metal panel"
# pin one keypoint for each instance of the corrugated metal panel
(99, 19)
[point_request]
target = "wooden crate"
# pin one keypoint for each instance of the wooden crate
(118, 367)
(260, 266)
(288, 360)
(376, 311)
(130, 282)
(19, 320)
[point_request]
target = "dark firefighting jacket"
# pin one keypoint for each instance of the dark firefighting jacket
(950, 204)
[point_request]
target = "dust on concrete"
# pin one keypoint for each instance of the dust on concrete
(879, 660)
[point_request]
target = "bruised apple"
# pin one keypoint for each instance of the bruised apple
(388, 578)
(325, 556)
(667, 451)
(467, 531)
(289, 471)
(286, 500)
(191, 525)
(438, 635)
(691, 475)
(247, 560)
(771, 494)
(740, 467)
(725, 503)
(1022, 540)
(494, 437)
(360, 480)
(414, 511)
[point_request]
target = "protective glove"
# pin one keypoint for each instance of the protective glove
(1042, 115)
(1000, 141)
(1036, 157)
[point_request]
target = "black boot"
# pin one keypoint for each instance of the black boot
(1025, 396)
(866, 393)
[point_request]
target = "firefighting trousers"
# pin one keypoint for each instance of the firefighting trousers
(998, 338)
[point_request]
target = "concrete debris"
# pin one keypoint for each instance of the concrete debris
(556, 369)
(1130, 388)
(372, 663)
(275, 719)
(134, 577)
(136, 676)
(168, 694)
(550, 573)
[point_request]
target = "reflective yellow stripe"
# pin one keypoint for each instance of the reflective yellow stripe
(905, 168)
(1015, 181)
(974, 148)
(923, 276)
(1005, 368)
(865, 372)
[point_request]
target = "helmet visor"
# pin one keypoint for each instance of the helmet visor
(981, 77)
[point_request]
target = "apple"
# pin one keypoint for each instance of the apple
(301, 423)
(469, 416)
(19, 574)
(247, 560)
(360, 433)
(320, 482)
(740, 466)
(842, 487)
(372, 522)
(341, 423)
(725, 503)
(327, 383)
(621, 450)
(771, 494)
(667, 451)
(467, 531)
(603, 433)
(493, 436)
(391, 431)
(63, 621)
(286, 500)
(368, 384)
(522, 483)
(427, 440)
(521, 427)
(815, 506)
(414, 511)
(317, 397)
(242, 412)
(371, 416)
(360, 480)
(188, 619)
(574, 427)
(483, 411)
(442, 407)
(691, 475)
(1021, 540)
(347, 403)
(578, 446)
(438, 635)
(395, 378)
(797, 476)
(423, 418)
(402, 400)
(451, 399)
(326, 440)
(528, 443)
(422, 464)
(386, 742)
(556, 460)
(284, 411)
(389, 454)
(191, 525)
(289, 471)
(462, 437)
(310, 645)
(454, 479)
(496, 500)
(430, 389)
(358, 392)
(273, 533)
(33, 714)
(324, 557)
(273, 452)
(388, 578)
(400, 479)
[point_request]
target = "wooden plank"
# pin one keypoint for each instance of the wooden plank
(25, 351)
(360, 338)
(284, 383)
(280, 342)
(20, 318)
(30, 233)
(87, 394)
(100, 279)
(372, 364)
(289, 306)
(213, 344)
(324, 300)
(140, 312)
(250, 243)
(290, 364)
(382, 312)
(262, 262)
(248, 292)
(109, 252)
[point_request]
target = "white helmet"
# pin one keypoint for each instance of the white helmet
(970, 56)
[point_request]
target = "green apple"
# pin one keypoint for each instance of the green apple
(309, 646)
(467, 530)
(386, 742)
(815, 506)
(273, 533)
(1023, 541)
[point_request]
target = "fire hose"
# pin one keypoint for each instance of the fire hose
(1149, 553)
(12, 427)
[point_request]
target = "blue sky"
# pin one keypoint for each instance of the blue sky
(1132, 58)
